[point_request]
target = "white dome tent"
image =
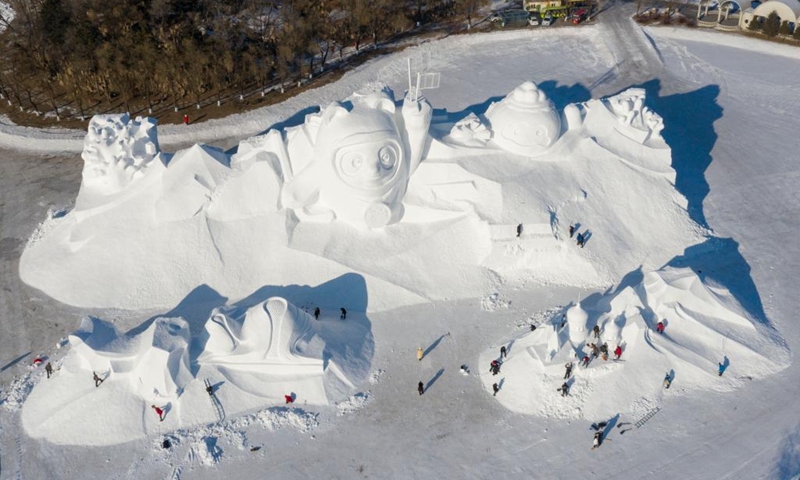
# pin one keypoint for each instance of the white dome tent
(787, 10)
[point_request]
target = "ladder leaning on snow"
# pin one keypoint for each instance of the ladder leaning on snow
(217, 405)
(647, 417)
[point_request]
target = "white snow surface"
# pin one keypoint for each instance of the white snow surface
(725, 298)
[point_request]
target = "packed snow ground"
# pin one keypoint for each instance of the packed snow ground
(456, 429)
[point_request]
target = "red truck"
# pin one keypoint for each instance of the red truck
(579, 15)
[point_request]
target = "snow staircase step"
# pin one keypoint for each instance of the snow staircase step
(509, 232)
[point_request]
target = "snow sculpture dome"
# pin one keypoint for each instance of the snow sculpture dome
(525, 122)
(576, 322)
(271, 337)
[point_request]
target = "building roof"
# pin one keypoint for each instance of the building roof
(787, 10)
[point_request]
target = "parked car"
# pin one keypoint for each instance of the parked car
(508, 16)
(534, 19)
(547, 20)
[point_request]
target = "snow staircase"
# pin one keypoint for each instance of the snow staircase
(513, 252)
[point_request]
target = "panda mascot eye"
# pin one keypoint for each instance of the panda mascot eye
(387, 157)
(351, 163)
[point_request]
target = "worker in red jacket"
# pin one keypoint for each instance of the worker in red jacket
(618, 352)
(159, 412)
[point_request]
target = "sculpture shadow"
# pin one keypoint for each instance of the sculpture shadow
(194, 308)
(689, 131)
(297, 119)
(348, 291)
(788, 462)
(719, 260)
(563, 95)
(560, 95)
(350, 343)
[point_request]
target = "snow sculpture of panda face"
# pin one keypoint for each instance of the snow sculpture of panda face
(361, 162)
(369, 162)
(525, 121)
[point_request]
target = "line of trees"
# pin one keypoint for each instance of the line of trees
(772, 26)
(85, 53)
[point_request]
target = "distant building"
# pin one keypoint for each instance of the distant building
(787, 10)
(737, 14)
(555, 7)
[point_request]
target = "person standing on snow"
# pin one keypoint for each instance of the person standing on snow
(519, 230)
(316, 313)
(571, 230)
(494, 367)
(586, 360)
(595, 350)
(598, 439)
(604, 350)
(421, 388)
(344, 314)
(420, 353)
(660, 327)
(49, 369)
(618, 351)
(579, 238)
(159, 412)
(496, 389)
(667, 380)
(503, 352)
(568, 366)
(564, 389)
(596, 331)
(98, 380)
(721, 369)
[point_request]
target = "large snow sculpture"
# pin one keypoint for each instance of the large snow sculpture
(272, 337)
(354, 164)
(525, 122)
(117, 151)
(704, 326)
(634, 119)
(156, 362)
(189, 181)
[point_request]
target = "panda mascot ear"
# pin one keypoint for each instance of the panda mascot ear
(380, 100)
(332, 111)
